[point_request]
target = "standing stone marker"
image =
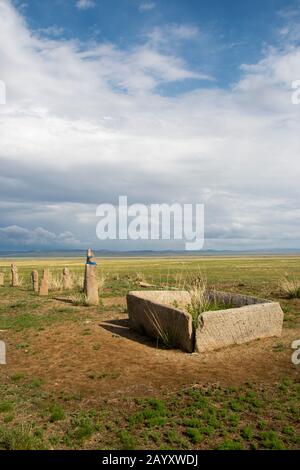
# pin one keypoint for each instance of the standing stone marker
(2, 353)
(44, 287)
(14, 275)
(35, 281)
(91, 280)
(67, 280)
(1, 279)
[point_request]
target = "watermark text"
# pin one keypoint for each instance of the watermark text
(296, 93)
(176, 221)
(296, 354)
(2, 92)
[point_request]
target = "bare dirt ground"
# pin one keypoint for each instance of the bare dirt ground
(102, 357)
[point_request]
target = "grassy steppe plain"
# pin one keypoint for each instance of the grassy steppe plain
(77, 377)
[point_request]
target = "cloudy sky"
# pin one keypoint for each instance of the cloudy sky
(163, 101)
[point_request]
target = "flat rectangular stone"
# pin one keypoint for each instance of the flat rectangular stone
(152, 313)
(250, 319)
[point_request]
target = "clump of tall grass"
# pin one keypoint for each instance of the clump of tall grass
(200, 301)
(21, 281)
(55, 282)
(21, 437)
(204, 300)
(79, 299)
(140, 277)
(77, 280)
(290, 288)
(101, 280)
(165, 336)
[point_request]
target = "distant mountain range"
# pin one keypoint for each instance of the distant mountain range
(144, 253)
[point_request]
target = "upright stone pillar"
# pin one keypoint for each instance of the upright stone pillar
(44, 287)
(91, 280)
(14, 275)
(67, 280)
(1, 279)
(35, 281)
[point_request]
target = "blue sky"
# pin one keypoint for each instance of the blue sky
(162, 101)
(231, 32)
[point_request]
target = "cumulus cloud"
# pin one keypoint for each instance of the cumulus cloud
(85, 123)
(15, 236)
(167, 34)
(147, 6)
(85, 4)
(51, 31)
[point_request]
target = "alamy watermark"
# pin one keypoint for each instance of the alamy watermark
(296, 354)
(2, 92)
(176, 221)
(2, 353)
(296, 93)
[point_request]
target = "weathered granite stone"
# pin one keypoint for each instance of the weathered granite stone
(35, 281)
(44, 287)
(2, 279)
(160, 314)
(2, 353)
(14, 275)
(91, 284)
(67, 280)
(164, 314)
(249, 319)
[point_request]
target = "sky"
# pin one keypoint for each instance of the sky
(165, 101)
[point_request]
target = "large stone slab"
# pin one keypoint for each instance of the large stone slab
(160, 314)
(249, 318)
(163, 314)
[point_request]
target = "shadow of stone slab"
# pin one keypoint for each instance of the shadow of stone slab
(122, 328)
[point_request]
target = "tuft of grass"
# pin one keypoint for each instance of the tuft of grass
(247, 432)
(290, 288)
(77, 280)
(55, 282)
(5, 406)
(84, 428)
(101, 280)
(165, 336)
(127, 441)
(79, 299)
(9, 418)
(270, 440)
(195, 435)
(57, 413)
(37, 382)
(21, 437)
(201, 301)
(229, 444)
(17, 376)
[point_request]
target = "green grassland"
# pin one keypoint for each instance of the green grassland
(205, 416)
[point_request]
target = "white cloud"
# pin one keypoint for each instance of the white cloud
(85, 4)
(147, 6)
(83, 125)
(51, 31)
(167, 34)
(16, 236)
